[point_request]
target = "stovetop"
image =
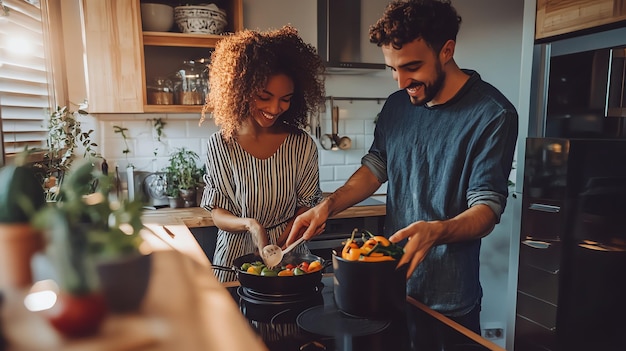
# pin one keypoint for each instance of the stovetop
(313, 322)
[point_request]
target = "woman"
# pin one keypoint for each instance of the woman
(262, 167)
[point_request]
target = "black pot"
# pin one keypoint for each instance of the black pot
(289, 285)
(372, 290)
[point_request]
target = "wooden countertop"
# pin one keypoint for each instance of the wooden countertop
(185, 308)
(194, 217)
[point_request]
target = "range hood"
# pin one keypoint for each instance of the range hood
(342, 37)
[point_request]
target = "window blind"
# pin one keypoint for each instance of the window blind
(24, 86)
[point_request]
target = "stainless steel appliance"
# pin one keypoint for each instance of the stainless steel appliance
(587, 94)
(572, 260)
(149, 187)
(343, 37)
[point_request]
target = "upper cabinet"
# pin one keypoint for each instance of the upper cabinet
(556, 17)
(120, 59)
(113, 58)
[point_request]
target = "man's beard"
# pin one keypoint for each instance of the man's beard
(430, 91)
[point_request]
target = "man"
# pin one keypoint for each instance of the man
(445, 143)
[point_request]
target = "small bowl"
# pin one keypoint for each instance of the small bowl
(157, 17)
(200, 19)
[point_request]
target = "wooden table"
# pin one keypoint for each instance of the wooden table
(185, 308)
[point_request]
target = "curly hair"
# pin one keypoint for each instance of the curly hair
(241, 66)
(435, 21)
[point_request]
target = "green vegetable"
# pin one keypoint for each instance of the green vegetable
(298, 271)
(245, 266)
(266, 272)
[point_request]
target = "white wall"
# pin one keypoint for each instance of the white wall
(490, 41)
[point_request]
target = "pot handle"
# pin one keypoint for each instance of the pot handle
(225, 268)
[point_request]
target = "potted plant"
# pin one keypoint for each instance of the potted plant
(183, 175)
(20, 197)
(86, 234)
(65, 134)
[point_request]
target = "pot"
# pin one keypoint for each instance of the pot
(372, 290)
(296, 284)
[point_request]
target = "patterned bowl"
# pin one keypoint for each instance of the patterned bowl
(207, 19)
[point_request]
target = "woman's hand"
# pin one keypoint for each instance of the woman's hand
(259, 234)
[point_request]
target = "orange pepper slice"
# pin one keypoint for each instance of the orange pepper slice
(353, 255)
(285, 273)
(382, 240)
(315, 266)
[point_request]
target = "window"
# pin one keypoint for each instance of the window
(25, 84)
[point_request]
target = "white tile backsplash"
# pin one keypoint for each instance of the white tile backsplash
(356, 121)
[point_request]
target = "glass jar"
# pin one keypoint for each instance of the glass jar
(191, 83)
(160, 91)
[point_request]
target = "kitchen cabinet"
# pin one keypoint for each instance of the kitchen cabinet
(556, 17)
(120, 57)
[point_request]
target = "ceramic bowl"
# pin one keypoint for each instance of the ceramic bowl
(200, 19)
(157, 17)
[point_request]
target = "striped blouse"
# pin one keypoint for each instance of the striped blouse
(268, 190)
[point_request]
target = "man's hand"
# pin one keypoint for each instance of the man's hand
(421, 237)
(473, 223)
(309, 224)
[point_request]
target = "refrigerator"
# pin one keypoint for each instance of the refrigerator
(571, 290)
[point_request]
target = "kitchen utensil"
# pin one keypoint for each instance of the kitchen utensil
(343, 143)
(278, 285)
(333, 141)
(272, 254)
(379, 286)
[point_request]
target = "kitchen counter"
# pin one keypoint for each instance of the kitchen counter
(194, 217)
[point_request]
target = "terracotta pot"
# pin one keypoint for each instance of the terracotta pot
(18, 243)
(124, 281)
(77, 315)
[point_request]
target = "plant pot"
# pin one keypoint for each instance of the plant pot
(77, 315)
(175, 202)
(18, 243)
(124, 281)
(189, 197)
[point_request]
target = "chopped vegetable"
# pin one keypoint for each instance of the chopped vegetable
(259, 268)
(315, 266)
(375, 248)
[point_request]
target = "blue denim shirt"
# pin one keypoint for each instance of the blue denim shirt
(439, 161)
